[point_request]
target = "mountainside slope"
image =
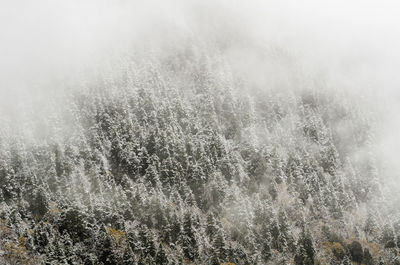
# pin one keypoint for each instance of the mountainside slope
(178, 160)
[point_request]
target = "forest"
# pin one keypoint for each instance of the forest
(205, 147)
(172, 162)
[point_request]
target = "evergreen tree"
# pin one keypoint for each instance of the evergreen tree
(388, 237)
(219, 246)
(188, 239)
(305, 249)
(161, 257)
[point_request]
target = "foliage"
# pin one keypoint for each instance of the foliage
(151, 165)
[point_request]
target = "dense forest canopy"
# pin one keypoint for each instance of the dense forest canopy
(206, 147)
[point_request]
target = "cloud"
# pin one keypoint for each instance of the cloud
(352, 45)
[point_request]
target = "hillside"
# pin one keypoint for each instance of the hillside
(176, 160)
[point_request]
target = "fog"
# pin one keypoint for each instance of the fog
(352, 46)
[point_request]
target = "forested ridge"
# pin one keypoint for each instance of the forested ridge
(176, 160)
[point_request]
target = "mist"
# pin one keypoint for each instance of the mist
(52, 52)
(349, 45)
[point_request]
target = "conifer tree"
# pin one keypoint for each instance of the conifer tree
(161, 257)
(187, 238)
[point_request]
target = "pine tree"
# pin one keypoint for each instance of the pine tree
(285, 239)
(370, 225)
(166, 236)
(187, 239)
(107, 256)
(152, 176)
(266, 252)
(39, 204)
(388, 237)
(176, 228)
(219, 246)
(305, 249)
(276, 244)
(161, 257)
(211, 228)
